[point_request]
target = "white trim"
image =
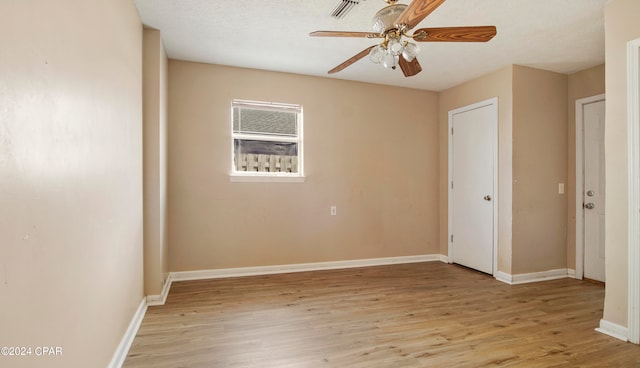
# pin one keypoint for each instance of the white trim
(265, 137)
(613, 330)
(444, 259)
(244, 178)
(579, 210)
(153, 300)
(277, 106)
(300, 267)
(525, 278)
(571, 273)
(503, 277)
(125, 344)
(633, 116)
(489, 102)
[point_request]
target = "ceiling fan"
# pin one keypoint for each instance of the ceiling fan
(393, 22)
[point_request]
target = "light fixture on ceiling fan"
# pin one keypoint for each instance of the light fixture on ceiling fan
(389, 51)
(393, 22)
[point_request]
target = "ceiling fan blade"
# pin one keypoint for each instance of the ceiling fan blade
(417, 11)
(344, 34)
(455, 34)
(355, 58)
(409, 68)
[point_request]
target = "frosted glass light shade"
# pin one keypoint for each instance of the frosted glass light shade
(395, 46)
(376, 55)
(385, 18)
(390, 61)
(410, 51)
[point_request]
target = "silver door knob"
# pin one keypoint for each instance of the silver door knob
(590, 193)
(487, 198)
(589, 206)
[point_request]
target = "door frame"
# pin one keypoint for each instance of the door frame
(633, 143)
(493, 102)
(579, 187)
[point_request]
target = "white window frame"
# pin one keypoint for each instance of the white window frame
(253, 176)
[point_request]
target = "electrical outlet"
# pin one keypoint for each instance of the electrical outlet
(560, 188)
(333, 210)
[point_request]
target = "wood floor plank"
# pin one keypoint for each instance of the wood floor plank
(410, 315)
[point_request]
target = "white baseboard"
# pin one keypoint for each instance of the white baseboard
(300, 267)
(525, 278)
(153, 300)
(613, 330)
(504, 277)
(571, 273)
(125, 344)
(444, 259)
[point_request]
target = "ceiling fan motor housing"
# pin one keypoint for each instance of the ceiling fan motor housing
(386, 17)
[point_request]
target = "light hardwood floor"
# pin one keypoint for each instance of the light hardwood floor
(410, 315)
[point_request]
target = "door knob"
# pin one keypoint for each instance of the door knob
(590, 193)
(487, 198)
(589, 206)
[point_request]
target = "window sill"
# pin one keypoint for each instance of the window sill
(244, 178)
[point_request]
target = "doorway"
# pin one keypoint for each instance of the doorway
(473, 133)
(590, 188)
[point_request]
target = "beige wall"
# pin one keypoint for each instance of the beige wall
(155, 161)
(539, 165)
(496, 84)
(370, 150)
(70, 178)
(621, 26)
(583, 84)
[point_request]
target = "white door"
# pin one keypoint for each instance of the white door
(472, 199)
(593, 193)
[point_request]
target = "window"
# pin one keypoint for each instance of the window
(267, 141)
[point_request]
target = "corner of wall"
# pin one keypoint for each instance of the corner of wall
(155, 160)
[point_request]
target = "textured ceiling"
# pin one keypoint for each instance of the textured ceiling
(556, 35)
